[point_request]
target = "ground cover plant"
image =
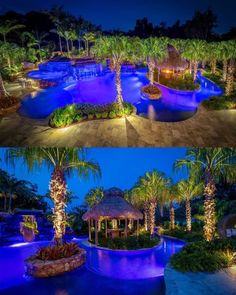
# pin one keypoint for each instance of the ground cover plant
(74, 113)
(203, 256)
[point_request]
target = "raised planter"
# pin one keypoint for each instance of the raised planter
(151, 92)
(11, 109)
(43, 269)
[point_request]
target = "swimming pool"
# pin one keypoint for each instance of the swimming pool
(173, 106)
(105, 272)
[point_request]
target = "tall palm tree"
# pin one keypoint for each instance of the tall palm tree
(194, 52)
(8, 27)
(186, 191)
(213, 55)
(153, 184)
(118, 50)
(209, 164)
(224, 53)
(88, 38)
(231, 68)
(63, 162)
(151, 51)
(171, 197)
(139, 198)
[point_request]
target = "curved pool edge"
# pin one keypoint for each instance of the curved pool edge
(123, 251)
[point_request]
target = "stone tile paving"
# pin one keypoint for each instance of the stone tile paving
(206, 128)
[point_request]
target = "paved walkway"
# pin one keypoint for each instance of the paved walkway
(206, 128)
(219, 283)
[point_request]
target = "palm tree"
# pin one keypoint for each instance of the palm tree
(194, 52)
(118, 50)
(171, 196)
(213, 55)
(224, 53)
(231, 68)
(63, 162)
(209, 164)
(88, 38)
(186, 191)
(152, 184)
(151, 51)
(72, 37)
(139, 199)
(8, 27)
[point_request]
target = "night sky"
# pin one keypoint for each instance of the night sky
(123, 13)
(120, 167)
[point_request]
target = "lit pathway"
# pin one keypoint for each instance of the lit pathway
(206, 128)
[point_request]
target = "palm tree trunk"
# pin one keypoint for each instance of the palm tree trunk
(188, 215)
(60, 46)
(67, 46)
(58, 194)
(209, 209)
(213, 66)
(195, 68)
(190, 67)
(79, 44)
(230, 79)
(3, 92)
(10, 203)
(203, 64)
(5, 202)
(146, 216)
(152, 212)
(172, 217)
(151, 68)
(161, 210)
(119, 97)
(225, 68)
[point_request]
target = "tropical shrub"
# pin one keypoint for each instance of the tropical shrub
(205, 256)
(178, 82)
(129, 243)
(57, 251)
(220, 102)
(184, 235)
(69, 114)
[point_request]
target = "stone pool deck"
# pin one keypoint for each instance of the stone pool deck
(219, 283)
(206, 128)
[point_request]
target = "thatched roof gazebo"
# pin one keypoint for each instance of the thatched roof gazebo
(173, 63)
(113, 207)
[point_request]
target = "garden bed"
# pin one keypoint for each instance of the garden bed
(52, 261)
(203, 256)
(9, 105)
(76, 113)
(151, 92)
(185, 83)
(143, 241)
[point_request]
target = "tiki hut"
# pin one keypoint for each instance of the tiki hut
(114, 209)
(173, 64)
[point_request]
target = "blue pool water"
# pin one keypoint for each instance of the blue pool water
(106, 272)
(171, 107)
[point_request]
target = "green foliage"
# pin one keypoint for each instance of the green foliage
(205, 256)
(181, 233)
(129, 243)
(57, 252)
(220, 102)
(178, 82)
(77, 112)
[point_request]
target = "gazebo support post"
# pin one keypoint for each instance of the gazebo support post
(126, 227)
(137, 227)
(96, 232)
(106, 228)
(89, 227)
